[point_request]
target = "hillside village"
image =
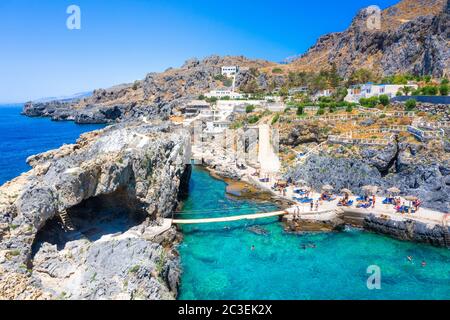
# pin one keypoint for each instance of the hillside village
(227, 107)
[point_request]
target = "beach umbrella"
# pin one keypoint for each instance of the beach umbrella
(347, 191)
(370, 189)
(394, 190)
(327, 187)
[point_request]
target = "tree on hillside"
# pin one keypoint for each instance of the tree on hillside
(340, 94)
(406, 90)
(361, 76)
(443, 89)
(334, 78)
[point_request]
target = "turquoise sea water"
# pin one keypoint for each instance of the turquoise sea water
(218, 262)
(21, 137)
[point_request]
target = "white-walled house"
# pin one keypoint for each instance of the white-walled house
(230, 71)
(323, 93)
(368, 90)
(196, 107)
(216, 127)
(222, 93)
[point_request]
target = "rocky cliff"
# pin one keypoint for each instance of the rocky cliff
(87, 220)
(156, 97)
(412, 37)
(420, 169)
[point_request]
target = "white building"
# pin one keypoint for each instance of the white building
(196, 107)
(368, 90)
(298, 90)
(230, 71)
(323, 93)
(276, 107)
(216, 127)
(272, 98)
(223, 93)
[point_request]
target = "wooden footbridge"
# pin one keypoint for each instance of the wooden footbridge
(232, 218)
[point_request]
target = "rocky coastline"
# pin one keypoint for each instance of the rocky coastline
(88, 221)
(409, 230)
(349, 172)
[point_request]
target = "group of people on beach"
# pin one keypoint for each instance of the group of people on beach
(402, 208)
(367, 201)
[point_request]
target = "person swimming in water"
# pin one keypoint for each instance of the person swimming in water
(424, 264)
(410, 258)
(253, 248)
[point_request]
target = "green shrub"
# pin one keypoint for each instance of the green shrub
(369, 102)
(300, 110)
(430, 90)
(384, 99)
(277, 70)
(276, 118)
(249, 109)
(253, 119)
(349, 109)
(212, 100)
(320, 112)
(443, 89)
(410, 104)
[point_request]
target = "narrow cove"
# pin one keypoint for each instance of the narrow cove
(219, 263)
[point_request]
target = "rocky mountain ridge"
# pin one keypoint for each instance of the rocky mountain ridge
(413, 36)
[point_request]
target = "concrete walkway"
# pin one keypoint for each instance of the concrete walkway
(425, 215)
(228, 219)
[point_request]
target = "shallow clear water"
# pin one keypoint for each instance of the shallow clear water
(21, 137)
(218, 263)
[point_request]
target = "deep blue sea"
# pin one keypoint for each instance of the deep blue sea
(21, 137)
(218, 261)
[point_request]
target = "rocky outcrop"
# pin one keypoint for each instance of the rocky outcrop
(129, 176)
(409, 230)
(417, 169)
(412, 37)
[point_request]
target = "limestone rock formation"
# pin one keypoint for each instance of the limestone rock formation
(413, 37)
(417, 169)
(112, 189)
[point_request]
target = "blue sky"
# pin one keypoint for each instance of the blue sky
(121, 41)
